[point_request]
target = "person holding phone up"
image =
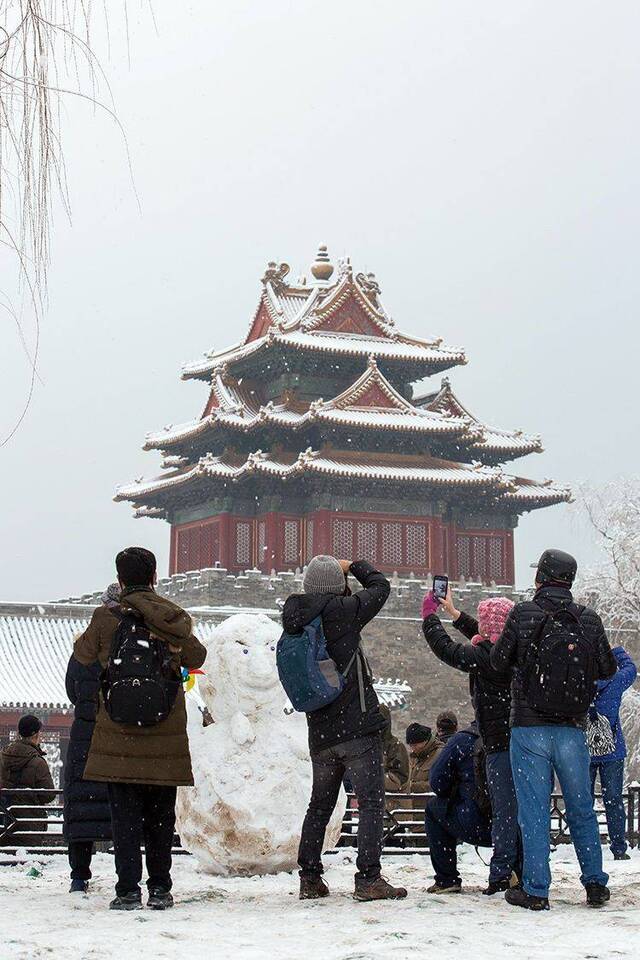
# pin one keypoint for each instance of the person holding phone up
(490, 693)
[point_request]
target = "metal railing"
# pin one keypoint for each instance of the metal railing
(404, 831)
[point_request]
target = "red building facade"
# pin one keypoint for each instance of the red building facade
(313, 439)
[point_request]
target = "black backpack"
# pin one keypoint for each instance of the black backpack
(481, 795)
(559, 672)
(139, 683)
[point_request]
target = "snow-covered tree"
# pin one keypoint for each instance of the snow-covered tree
(612, 512)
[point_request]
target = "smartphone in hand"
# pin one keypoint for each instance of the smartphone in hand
(440, 587)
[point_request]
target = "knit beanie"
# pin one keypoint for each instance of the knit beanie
(324, 575)
(447, 722)
(492, 616)
(111, 596)
(28, 726)
(417, 733)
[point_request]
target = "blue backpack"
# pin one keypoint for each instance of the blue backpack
(309, 676)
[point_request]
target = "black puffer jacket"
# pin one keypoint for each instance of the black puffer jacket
(86, 805)
(490, 690)
(342, 620)
(510, 651)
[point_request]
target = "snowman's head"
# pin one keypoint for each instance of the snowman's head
(241, 666)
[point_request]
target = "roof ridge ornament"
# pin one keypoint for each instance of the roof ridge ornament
(275, 274)
(322, 268)
(368, 283)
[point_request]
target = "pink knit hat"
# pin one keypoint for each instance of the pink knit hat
(492, 616)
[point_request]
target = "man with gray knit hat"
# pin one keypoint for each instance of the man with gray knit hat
(345, 737)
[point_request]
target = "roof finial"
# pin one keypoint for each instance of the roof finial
(322, 268)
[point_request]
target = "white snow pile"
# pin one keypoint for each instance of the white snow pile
(251, 768)
(261, 918)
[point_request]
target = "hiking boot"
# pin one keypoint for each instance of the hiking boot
(496, 886)
(455, 886)
(128, 901)
(313, 888)
(159, 899)
(621, 856)
(518, 897)
(597, 894)
(79, 886)
(378, 889)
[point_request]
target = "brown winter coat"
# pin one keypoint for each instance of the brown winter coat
(418, 782)
(156, 754)
(395, 757)
(22, 764)
(420, 766)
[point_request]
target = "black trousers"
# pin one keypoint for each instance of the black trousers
(361, 761)
(142, 813)
(80, 853)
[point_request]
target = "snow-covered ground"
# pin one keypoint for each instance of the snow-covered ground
(261, 918)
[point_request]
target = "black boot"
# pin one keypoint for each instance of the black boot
(79, 886)
(621, 856)
(159, 899)
(518, 897)
(597, 894)
(313, 888)
(496, 886)
(128, 901)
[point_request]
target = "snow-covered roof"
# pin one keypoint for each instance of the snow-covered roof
(35, 649)
(370, 402)
(351, 464)
(308, 318)
(489, 439)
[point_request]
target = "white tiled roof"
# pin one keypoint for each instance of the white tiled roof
(35, 650)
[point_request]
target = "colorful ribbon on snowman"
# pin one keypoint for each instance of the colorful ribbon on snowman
(190, 687)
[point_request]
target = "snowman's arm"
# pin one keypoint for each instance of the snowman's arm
(241, 729)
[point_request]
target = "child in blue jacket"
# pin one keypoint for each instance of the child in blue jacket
(610, 767)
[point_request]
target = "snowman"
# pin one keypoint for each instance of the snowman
(251, 768)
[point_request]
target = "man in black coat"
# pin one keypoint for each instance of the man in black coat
(345, 737)
(558, 649)
(87, 815)
(491, 698)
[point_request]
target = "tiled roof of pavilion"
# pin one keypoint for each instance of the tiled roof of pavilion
(489, 439)
(370, 402)
(308, 318)
(407, 469)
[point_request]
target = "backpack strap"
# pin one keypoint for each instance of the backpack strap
(357, 658)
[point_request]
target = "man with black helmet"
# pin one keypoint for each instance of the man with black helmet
(558, 651)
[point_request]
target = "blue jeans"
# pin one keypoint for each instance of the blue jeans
(504, 807)
(612, 783)
(445, 825)
(536, 753)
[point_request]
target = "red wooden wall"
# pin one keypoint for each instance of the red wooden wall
(278, 541)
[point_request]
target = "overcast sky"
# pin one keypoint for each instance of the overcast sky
(481, 158)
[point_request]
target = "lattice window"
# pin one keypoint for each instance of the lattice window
(392, 543)
(416, 545)
(262, 543)
(480, 558)
(188, 550)
(463, 551)
(367, 537)
(309, 551)
(343, 538)
(496, 562)
(243, 543)
(291, 542)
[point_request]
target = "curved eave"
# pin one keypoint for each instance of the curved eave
(401, 350)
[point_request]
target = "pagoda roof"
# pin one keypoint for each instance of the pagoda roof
(489, 439)
(370, 402)
(348, 464)
(312, 318)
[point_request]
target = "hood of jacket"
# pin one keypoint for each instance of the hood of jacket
(166, 619)
(19, 753)
(301, 608)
